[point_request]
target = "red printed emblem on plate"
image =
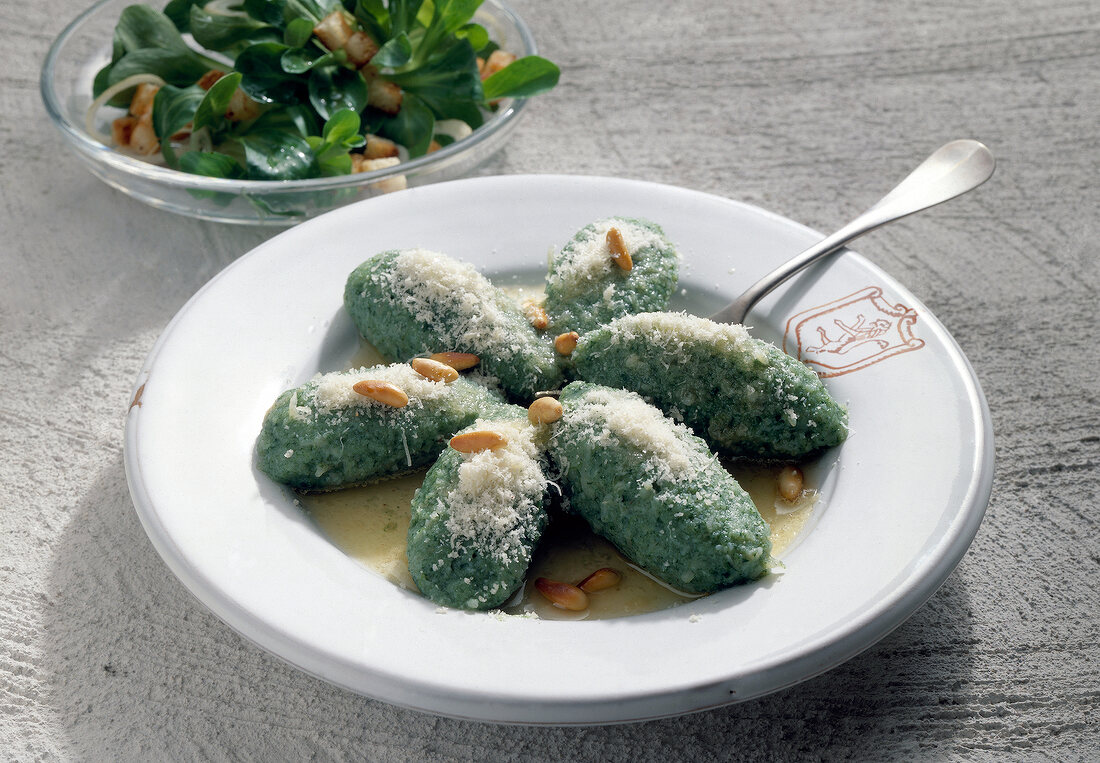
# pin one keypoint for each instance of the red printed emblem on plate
(851, 333)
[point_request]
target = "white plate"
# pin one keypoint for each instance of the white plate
(902, 498)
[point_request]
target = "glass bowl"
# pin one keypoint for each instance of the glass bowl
(84, 47)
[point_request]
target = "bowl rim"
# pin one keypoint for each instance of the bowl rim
(509, 110)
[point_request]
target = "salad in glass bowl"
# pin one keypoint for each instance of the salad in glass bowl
(277, 110)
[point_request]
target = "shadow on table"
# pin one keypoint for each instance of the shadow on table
(139, 669)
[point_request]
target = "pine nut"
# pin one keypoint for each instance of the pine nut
(603, 578)
(475, 442)
(536, 315)
(566, 343)
(545, 410)
(433, 369)
(789, 482)
(562, 595)
(619, 252)
(459, 361)
(383, 392)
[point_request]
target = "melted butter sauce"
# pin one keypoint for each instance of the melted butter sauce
(366, 356)
(521, 292)
(370, 524)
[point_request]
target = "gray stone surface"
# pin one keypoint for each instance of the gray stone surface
(810, 109)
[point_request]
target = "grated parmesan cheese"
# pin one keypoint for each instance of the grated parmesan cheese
(429, 284)
(670, 453)
(676, 332)
(334, 390)
(413, 301)
(589, 259)
(497, 491)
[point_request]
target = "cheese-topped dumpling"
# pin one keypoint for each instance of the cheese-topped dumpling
(745, 397)
(480, 513)
(414, 301)
(656, 491)
(610, 268)
(354, 427)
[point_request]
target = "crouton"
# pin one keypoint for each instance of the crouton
(360, 48)
(360, 163)
(384, 95)
(378, 147)
(121, 129)
(381, 94)
(142, 102)
(498, 59)
(333, 31)
(143, 138)
(207, 80)
(241, 108)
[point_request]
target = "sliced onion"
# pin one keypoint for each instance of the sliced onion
(456, 128)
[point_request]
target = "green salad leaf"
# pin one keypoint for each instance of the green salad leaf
(412, 127)
(147, 42)
(228, 33)
(395, 53)
(264, 78)
(334, 87)
(476, 35)
(297, 33)
(300, 118)
(374, 18)
(173, 109)
(524, 77)
(211, 164)
(276, 155)
(173, 66)
(179, 13)
(340, 134)
(141, 27)
(210, 113)
(314, 10)
(301, 60)
(267, 12)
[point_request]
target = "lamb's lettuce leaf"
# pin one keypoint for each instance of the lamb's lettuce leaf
(522, 78)
(332, 88)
